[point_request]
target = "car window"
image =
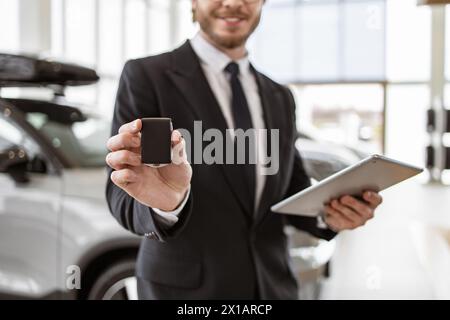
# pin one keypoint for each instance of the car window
(82, 143)
(12, 135)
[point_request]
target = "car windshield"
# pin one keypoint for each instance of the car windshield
(82, 143)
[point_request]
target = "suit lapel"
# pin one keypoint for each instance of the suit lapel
(271, 103)
(189, 78)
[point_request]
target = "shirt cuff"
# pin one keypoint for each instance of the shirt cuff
(169, 218)
(321, 224)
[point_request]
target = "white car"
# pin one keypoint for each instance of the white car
(54, 220)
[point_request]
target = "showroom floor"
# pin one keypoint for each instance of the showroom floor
(404, 253)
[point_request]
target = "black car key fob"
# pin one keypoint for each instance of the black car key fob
(156, 145)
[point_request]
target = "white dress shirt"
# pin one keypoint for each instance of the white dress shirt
(213, 62)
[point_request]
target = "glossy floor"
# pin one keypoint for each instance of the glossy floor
(404, 253)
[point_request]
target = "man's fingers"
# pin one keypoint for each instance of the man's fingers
(333, 223)
(348, 213)
(373, 198)
(359, 207)
(131, 127)
(335, 220)
(345, 211)
(122, 178)
(125, 140)
(122, 158)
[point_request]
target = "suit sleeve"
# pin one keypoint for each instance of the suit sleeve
(299, 181)
(135, 94)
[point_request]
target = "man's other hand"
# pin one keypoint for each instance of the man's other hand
(348, 213)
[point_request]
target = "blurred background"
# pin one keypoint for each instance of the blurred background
(371, 76)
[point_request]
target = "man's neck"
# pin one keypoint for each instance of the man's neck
(234, 54)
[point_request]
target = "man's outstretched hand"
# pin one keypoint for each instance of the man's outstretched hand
(348, 213)
(163, 188)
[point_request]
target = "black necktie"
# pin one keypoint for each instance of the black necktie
(242, 120)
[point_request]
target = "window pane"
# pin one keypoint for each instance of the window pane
(80, 28)
(318, 46)
(363, 36)
(273, 45)
(57, 34)
(9, 25)
(110, 30)
(408, 41)
(159, 33)
(447, 33)
(135, 28)
(406, 123)
(344, 114)
(186, 28)
(322, 40)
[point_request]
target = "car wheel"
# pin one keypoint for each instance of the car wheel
(116, 282)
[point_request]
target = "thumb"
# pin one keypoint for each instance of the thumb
(179, 155)
(176, 138)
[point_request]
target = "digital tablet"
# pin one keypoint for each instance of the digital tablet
(374, 173)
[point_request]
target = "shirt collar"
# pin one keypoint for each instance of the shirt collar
(214, 58)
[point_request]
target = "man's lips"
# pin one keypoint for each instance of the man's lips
(232, 20)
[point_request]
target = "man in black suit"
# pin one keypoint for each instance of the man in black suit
(208, 229)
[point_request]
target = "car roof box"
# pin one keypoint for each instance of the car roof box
(18, 71)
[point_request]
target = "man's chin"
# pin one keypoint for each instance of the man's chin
(230, 42)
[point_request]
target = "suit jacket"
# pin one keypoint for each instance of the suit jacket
(218, 249)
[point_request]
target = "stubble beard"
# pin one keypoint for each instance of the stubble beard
(225, 42)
